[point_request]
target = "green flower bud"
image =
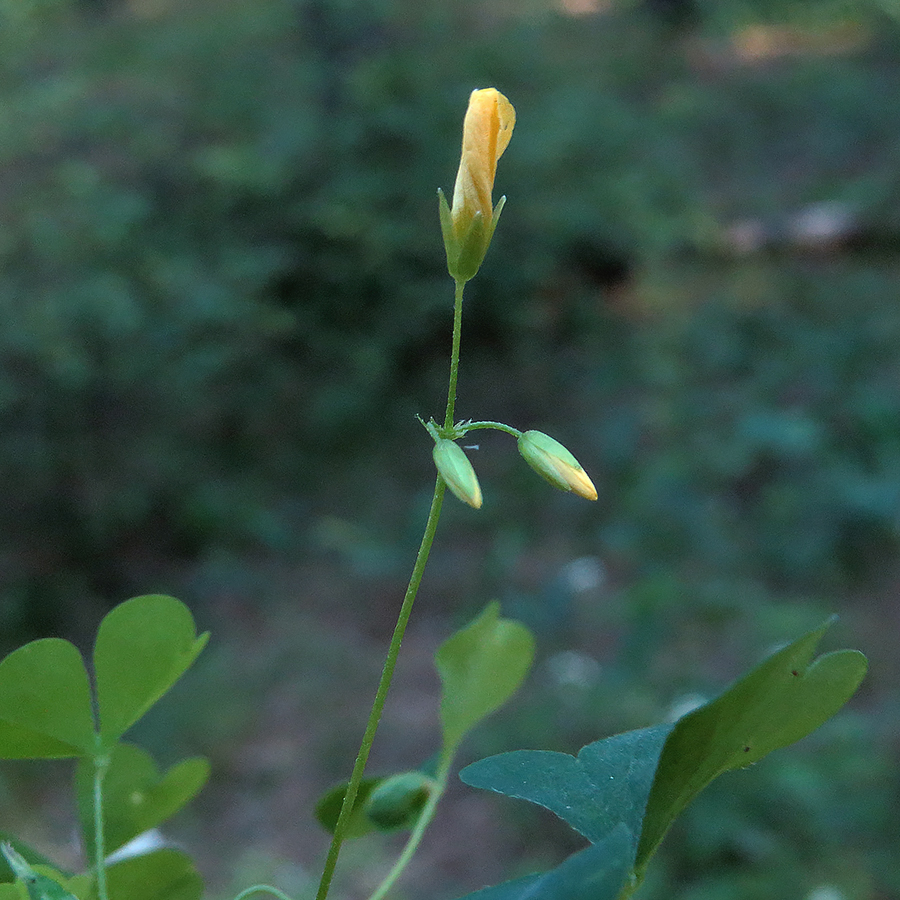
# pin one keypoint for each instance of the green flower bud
(454, 467)
(398, 801)
(552, 461)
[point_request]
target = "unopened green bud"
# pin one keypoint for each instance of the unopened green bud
(398, 801)
(552, 461)
(454, 467)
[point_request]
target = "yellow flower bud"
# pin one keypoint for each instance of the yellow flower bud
(455, 468)
(552, 461)
(469, 225)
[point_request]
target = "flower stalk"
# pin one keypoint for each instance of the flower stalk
(467, 230)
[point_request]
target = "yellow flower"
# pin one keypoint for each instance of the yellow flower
(554, 463)
(469, 225)
(487, 129)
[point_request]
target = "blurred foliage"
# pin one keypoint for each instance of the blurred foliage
(221, 268)
(766, 440)
(223, 297)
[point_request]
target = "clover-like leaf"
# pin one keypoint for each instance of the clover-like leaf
(143, 647)
(604, 787)
(782, 700)
(46, 712)
(45, 702)
(136, 797)
(481, 667)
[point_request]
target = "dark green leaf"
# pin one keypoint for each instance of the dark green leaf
(597, 873)
(780, 701)
(605, 786)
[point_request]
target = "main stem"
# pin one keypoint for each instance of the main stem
(387, 673)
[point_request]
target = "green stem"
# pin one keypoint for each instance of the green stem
(415, 838)
(415, 579)
(454, 353)
(101, 764)
(497, 426)
(384, 684)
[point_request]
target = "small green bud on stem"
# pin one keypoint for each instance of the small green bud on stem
(398, 800)
(554, 463)
(454, 467)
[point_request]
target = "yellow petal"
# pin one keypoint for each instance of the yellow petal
(487, 129)
(580, 483)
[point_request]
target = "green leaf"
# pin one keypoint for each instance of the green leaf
(160, 875)
(135, 796)
(604, 787)
(480, 667)
(45, 702)
(780, 701)
(596, 873)
(143, 647)
(40, 885)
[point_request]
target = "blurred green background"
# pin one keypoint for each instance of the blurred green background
(223, 301)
